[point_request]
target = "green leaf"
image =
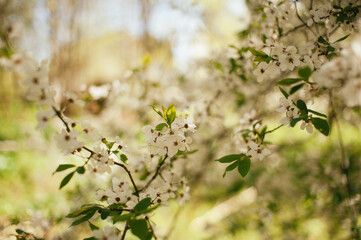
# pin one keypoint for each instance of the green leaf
(63, 167)
(305, 72)
(230, 168)
(322, 40)
(288, 81)
(330, 49)
(230, 158)
(81, 170)
(91, 238)
(317, 113)
(243, 166)
(257, 53)
(66, 180)
(108, 144)
(296, 88)
(140, 229)
(295, 121)
(337, 7)
(83, 219)
(284, 92)
(186, 152)
(343, 38)
(321, 125)
(301, 105)
(171, 114)
(124, 217)
(84, 210)
(157, 111)
(104, 213)
(143, 204)
(92, 226)
(160, 126)
(123, 158)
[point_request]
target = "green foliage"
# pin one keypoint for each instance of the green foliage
(260, 56)
(142, 205)
(288, 81)
(66, 180)
(321, 125)
(239, 160)
(170, 114)
(140, 229)
(243, 166)
(160, 126)
(284, 92)
(63, 167)
(305, 73)
(296, 88)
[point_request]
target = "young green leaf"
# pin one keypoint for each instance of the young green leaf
(257, 53)
(143, 204)
(123, 158)
(343, 38)
(160, 126)
(104, 213)
(140, 229)
(305, 72)
(295, 121)
(321, 125)
(80, 170)
(158, 111)
(83, 219)
(243, 166)
(322, 40)
(84, 210)
(301, 105)
(230, 168)
(92, 226)
(230, 158)
(171, 114)
(296, 88)
(288, 81)
(66, 180)
(284, 92)
(63, 167)
(317, 113)
(124, 217)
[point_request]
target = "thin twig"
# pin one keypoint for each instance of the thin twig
(157, 171)
(151, 228)
(130, 176)
(125, 230)
(58, 113)
(299, 17)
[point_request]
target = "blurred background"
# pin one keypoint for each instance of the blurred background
(120, 56)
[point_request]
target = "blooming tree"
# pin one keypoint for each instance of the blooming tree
(304, 52)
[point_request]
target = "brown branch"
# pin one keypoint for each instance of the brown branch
(157, 171)
(125, 230)
(58, 113)
(130, 176)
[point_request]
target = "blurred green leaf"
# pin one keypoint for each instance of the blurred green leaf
(288, 81)
(230, 158)
(66, 180)
(243, 166)
(143, 204)
(321, 125)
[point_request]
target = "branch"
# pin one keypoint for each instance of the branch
(125, 230)
(58, 113)
(155, 174)
(130, 176)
